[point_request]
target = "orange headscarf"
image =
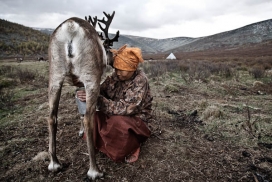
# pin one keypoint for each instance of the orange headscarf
(127, 58)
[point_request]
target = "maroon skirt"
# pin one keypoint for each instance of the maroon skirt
(118, 136)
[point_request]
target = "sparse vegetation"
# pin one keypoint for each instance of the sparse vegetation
(6, 100)
(12, 79)
(212, 122)
(18, 40)
(191, 70)
(257, 72)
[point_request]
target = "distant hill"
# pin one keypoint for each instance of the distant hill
(148, 45)
(251, 40)
(47, 31)
(19, 40)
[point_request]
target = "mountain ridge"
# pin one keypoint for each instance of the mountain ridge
(253, 33)
(255, 37)
(230, 38)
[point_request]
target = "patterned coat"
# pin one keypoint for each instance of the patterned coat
(127, 98)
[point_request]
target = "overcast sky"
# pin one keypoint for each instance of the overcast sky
(146, 18)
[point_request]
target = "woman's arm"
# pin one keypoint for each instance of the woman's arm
(132, 102)
(81, 95)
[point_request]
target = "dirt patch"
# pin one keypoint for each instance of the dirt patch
(185, 145)
(178, 150)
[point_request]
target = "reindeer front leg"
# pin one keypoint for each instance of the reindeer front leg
(91, 100)
(54, 97)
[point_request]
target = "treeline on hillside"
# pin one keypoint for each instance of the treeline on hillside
(17, 39)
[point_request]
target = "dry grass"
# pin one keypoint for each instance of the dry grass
(216, 128)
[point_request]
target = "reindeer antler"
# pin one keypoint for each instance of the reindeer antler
(108, 42)
(91, 20)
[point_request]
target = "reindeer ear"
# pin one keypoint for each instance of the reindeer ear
(114, 51)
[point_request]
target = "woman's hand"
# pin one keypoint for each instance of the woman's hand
(81, 95)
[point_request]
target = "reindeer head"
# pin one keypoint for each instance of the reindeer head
(107, 41)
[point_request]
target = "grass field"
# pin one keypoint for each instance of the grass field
(212, 122)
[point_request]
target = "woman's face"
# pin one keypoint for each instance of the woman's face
(123, 75)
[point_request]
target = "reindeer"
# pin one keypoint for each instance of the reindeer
(40, 58)
(77, 52)
(19, 60)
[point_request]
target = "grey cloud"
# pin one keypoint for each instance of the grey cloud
(131, 16)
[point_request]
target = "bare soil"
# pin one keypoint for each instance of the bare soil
(180, 148)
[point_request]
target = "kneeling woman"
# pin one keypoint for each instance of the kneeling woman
(124, 108)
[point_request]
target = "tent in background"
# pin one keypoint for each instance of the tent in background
(171, 56)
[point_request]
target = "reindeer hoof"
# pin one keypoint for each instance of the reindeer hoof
(81, 133)
(54, 167)
(94, 175)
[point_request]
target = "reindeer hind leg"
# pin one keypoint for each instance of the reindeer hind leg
(81, 131)
(54, 97)
(92, 91)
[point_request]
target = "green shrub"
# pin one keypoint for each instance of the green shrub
(25, 75)
(6, 100)
(5, 70)
(4, 83)
(257, 72)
